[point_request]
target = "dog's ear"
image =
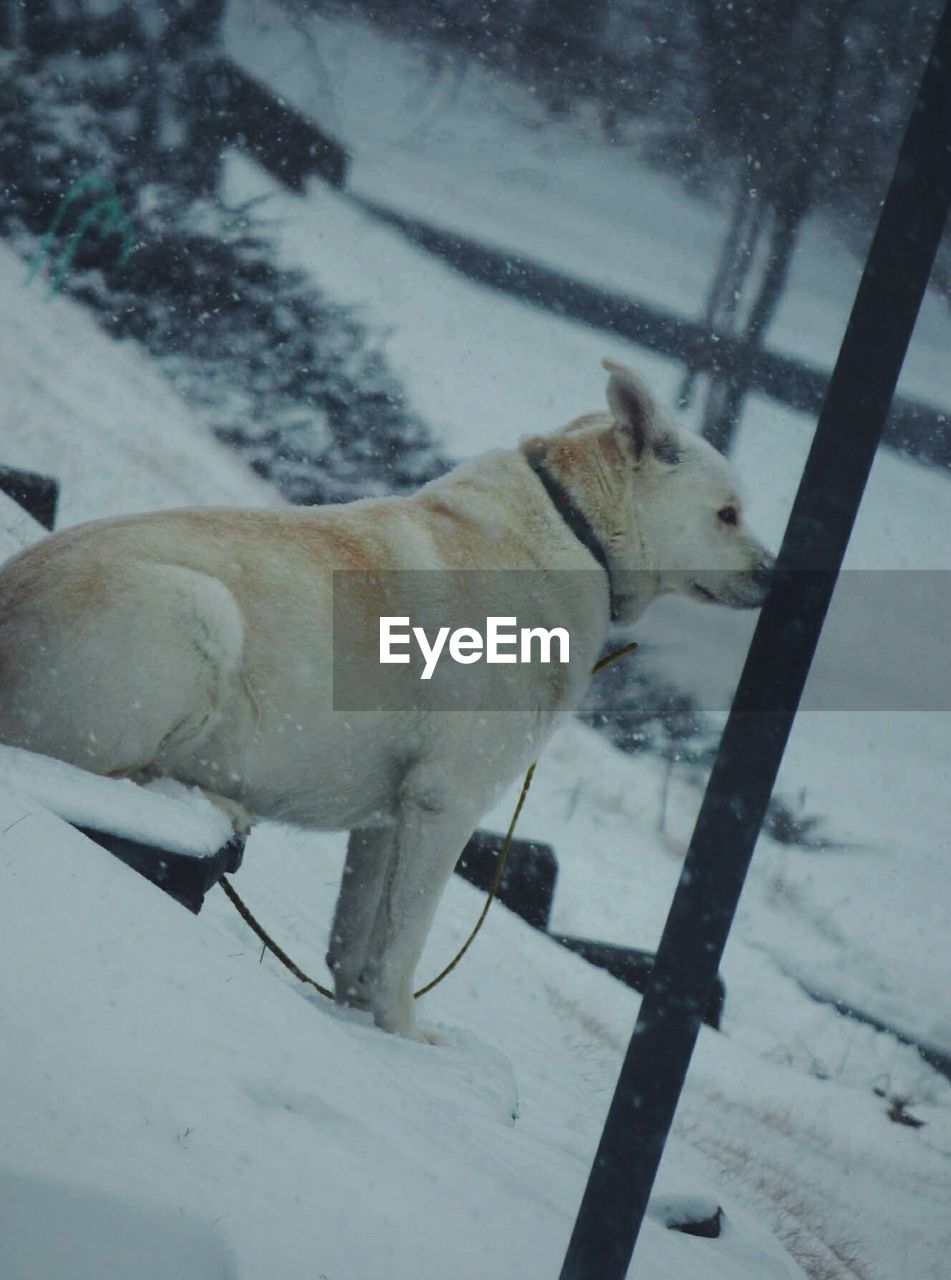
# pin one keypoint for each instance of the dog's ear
(632, 406)
(534, 448)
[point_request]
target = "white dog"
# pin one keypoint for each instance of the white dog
(198, 644)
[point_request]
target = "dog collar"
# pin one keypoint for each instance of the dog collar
(577, 522)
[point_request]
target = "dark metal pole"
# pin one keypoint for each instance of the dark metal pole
(847, 435)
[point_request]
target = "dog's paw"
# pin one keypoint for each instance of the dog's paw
(350, 993)
(404, 1024)
(425, 1035)
(241, 820)
(422, 1035)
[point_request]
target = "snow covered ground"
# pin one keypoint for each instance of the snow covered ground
(96, 414)
(487, 369)
(467, 152)
(175, 1105)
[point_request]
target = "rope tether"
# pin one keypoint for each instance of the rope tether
(246, 915)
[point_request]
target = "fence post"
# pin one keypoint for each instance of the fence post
(847, 435)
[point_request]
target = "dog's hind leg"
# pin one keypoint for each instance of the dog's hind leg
(121, 671)
(368, 853)
(241, 820)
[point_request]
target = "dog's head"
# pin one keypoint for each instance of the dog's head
(666, 505)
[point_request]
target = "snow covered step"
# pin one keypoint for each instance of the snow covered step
(283, 140)
(171, 834)
(162, 813)
(18, 529)
(633, 967)
(182, 876)
(694, 1215)
(527, 886)
(34, 493)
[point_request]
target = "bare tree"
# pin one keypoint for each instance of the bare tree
(776, 141)
(559, 41)
(180, 110)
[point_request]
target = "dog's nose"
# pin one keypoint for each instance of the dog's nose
(763, 571)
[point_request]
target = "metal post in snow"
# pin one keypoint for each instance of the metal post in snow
(847, 436)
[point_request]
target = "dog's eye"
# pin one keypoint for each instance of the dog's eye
(727, 515)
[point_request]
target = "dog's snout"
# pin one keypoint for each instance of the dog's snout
(763, 571)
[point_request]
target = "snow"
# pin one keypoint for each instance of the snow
(175, 1103)
(210, 1089)
(51, 1230)
(165, 813)
(95, 414)
(465, 152)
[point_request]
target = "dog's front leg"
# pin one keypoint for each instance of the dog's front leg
(368, 854)
(430, 834)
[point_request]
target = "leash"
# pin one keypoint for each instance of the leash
(245, 913)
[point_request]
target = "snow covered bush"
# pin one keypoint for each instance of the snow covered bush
(287, 377)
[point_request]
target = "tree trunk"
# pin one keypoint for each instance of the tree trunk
(8, 25)
(37, 24)
(790, 203)
(729, 281)
(558, 41)
(726, 395)
(181, 111)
